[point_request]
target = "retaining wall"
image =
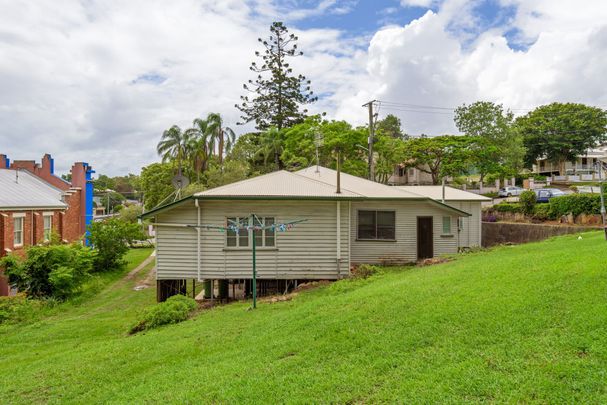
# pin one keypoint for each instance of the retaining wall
(497, 233)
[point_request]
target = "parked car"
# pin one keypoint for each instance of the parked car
(510, 191)
(545, 194)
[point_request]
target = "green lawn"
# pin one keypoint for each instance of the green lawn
(516, 324)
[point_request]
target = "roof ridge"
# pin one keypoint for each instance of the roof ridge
(325, 183)
(357, 178)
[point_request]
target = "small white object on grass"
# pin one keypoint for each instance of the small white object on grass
(579, 237)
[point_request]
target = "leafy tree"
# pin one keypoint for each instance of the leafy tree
(112, 200)
(246, 149)
(111, 240)
(300, 145)
(279, 93)
(440, 156)
(131, 213)
(499, 149)
(224, 136)
(174, 146)
(390, 126)
(390, 151)
(103, 183)
(561, 132)
(50, 270)
(271, 147)
(229, 172)
(156, 183)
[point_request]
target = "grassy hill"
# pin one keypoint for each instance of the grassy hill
(515, 324)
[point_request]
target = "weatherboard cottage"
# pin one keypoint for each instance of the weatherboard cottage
(340, 221)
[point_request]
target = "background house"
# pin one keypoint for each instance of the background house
(584, 168)
(34, 204)
(347, 222)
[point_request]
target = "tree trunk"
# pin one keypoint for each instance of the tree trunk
(220, 146)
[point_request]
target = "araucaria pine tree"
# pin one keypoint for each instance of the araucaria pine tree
(279, 93)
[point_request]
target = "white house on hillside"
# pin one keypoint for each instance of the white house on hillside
(355, 222)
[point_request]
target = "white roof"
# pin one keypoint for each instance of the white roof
(277, 184)
(308, 183)
(364, 187)
(451, 194)
(21, 189)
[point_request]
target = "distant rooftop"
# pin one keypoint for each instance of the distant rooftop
(22, 190)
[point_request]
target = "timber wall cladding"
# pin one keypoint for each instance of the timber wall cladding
(498, 233)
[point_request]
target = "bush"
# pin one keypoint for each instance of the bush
(111, 240)
(131, 213)
(366, 271)
(542, 212)
(507, 207)
(174, 310)
(575, 204)
(17, 308)
(527, 200)
(49, 271)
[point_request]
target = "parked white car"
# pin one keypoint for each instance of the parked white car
(510, 191)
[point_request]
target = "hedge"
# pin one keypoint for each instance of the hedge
(575, 204)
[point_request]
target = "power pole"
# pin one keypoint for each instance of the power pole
(369, 105)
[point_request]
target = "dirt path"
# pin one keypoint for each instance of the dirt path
(143, 264)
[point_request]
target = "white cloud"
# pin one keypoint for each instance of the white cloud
(428, 63)
(417, 3)
(100, 81)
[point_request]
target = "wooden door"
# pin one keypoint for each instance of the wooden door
(425, 238)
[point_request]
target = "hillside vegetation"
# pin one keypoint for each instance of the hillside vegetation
(515, 324)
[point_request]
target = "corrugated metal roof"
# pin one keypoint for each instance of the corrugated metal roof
(363, 187)
(27, 191)
(280, 184)
(451, 194)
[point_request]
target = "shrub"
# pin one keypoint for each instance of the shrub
(17, 308)
(507, 207)
(575, 204)
(131, 213)
(49, 271)
(111, 240)
(542, 212)
(174, 310)
(366, 271)
(527, 200)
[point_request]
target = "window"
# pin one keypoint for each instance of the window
(412, 172)
(446, 225)
(240, 238)
(48, 226)
(265, 237)
(17, 231)
(379, 225)
(460, 224)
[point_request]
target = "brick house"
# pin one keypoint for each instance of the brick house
(35, 203)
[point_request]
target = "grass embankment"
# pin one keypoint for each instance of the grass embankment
(516, 324)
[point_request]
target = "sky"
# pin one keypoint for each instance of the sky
(99, 81)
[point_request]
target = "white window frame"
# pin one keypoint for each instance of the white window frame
(21, 220)
(265, 232)
(447, 221)
(47, 233)
(250, 234)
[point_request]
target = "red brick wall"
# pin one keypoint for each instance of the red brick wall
(64, 223)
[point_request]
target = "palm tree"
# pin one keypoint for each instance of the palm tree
(173, 145)
(200, 145)
(271, 145)
(223, 135)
